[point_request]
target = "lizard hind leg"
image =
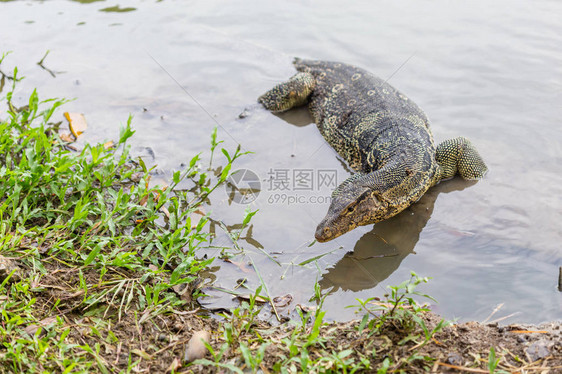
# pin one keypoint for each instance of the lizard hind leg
(290, 94)
(459, 156)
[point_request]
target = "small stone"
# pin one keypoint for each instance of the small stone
(177, 327)
(162, 337)
(307, 308)
(136, 177)
(537, 350)
(196, 346)
(454, 359)
(7, 266)
(283, 301)
(244, 114)
(153, 267)
(32, 329)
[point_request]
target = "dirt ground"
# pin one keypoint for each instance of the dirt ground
(461, 348)
(158, 341)
(457, 349)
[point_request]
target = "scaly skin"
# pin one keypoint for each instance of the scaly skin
(383, 135)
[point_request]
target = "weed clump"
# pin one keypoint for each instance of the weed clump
(88, 243)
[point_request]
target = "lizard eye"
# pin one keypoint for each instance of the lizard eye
(349, 209)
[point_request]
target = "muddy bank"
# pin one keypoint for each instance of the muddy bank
(460, 348)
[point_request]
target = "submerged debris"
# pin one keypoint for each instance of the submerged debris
(244, 114)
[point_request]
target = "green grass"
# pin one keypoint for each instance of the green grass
(400, 309)
(93, 241)
(313, 345)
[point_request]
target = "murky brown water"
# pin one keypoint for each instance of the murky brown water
(491, 71)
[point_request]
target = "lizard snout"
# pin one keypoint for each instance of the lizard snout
(323, 233)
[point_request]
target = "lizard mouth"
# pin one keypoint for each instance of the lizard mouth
(326, 232)
(324, 239)
(323, 235)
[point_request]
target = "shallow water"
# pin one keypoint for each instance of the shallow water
(489, 71)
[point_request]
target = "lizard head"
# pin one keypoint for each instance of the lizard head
(352, 205)
(289, 94)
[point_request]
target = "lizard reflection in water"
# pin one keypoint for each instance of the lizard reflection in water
(378, 253)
